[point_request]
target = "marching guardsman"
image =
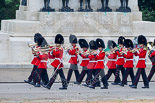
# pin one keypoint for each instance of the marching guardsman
(73, 52)
(112, 58)
(85, 60)
(99, 67)
(120, 60)
(141, 63)
(152, 58)
(92, 61)
(128, 55)
(57, 53)
(42, 67)
(30, 78)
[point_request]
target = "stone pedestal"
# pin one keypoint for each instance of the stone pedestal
(5, 47)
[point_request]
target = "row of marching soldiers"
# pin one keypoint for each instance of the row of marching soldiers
(93, 58)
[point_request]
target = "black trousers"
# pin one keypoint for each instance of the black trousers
(91, 75)
(136, 78)
(110, 72)
(151, 73)
(62, 76)
(76, 71)
(36, 75)
(117, 75)
(127, 72)
(99, 72)
(42, 73)
(33, 72)
(82, 75)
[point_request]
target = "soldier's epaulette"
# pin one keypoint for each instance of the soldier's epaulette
(60, 48)
(103, 51)
(76, 47)
(144, 49)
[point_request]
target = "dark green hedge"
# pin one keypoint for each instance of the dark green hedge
(8, 9)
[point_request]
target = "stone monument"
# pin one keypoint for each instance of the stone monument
(16, 33)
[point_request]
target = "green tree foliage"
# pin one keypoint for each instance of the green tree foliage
(8, 9)
(148, 9)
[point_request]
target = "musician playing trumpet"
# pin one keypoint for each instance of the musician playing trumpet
(112, 58)
(57, 54)
(120, 61)
(92, 61)
(99, 67)
(35, 60)
(41, 63)
(73, 52)
(85, 60)
(142, 41)
(128, 55)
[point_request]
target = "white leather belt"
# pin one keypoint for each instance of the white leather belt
(73, 56)
(101, 60)
(58, 59)
(93, 61)
(35, 56)
(129, 59)
(141, 58)
(120, 57)
(44, 61)
(112, 59)
(85, 59)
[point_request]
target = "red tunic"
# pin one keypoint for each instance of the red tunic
(129, 60)
(49, 53)
(120, 60)
(43, 61)
(34, 59)
(141, 61)
(111, 64)
(85, 60)
(92, 62)
(73, 53)
(58, 54)
(151, 55)
(100, 60)
(38, 60)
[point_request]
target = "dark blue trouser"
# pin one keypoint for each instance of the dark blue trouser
(151, 73)
(136, 78)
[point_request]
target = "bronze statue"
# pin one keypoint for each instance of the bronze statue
(24, 3)
(65, 7)
(87, 6)
(105, 7)
(124, 6)
(46, 7)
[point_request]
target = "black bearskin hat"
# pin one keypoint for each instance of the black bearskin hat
(111, 44)
(83, 43)
(142, 40)
(128, 43)
(72, 39)
(59, 39)
(100, 43)
(42, 42)
(36, 36)
(93, 45)
(121, 40)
